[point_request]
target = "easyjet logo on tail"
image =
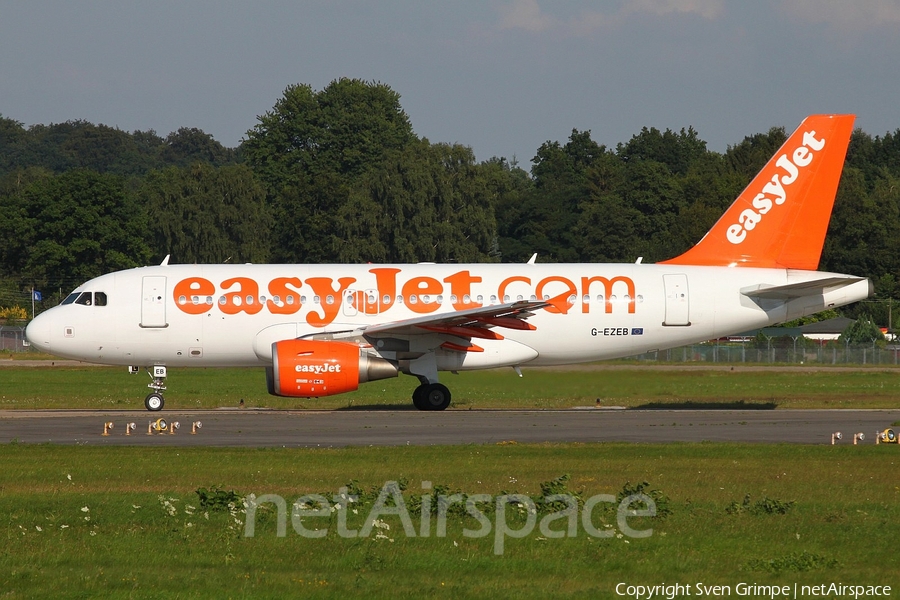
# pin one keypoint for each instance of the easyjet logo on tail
(775, 192)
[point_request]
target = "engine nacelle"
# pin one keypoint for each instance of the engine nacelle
(312, 368)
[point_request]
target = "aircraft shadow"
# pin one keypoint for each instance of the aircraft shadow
(690, 405)
(371, 407)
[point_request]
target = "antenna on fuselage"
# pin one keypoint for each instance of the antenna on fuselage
(165, 261)
(533, 258)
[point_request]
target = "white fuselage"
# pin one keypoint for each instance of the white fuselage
(229, 315)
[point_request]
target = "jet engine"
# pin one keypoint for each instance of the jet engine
(313, 368)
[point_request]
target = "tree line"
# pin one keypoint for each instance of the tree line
(339, 175)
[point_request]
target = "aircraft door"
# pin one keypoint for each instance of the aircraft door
(371, 302)
(153, 302)
(677, 301)
(350, 303)
(356, 301)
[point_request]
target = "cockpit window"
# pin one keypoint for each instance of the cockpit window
(99, 299)
(70, 298)
(84, 299)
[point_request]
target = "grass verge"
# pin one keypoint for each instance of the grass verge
(126, 522)
(107, 387)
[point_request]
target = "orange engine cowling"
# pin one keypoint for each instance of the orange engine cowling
(311, 368)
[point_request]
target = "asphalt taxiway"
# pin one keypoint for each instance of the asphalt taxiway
(291, 428)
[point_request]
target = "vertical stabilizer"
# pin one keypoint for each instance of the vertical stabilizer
(780, 219)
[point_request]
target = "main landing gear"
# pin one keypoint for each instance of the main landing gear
(154, 401)
(431, 396)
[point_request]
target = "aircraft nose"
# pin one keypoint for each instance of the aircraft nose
(38, 332)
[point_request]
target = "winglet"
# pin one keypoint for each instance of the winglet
(560, 303)
(780, 219)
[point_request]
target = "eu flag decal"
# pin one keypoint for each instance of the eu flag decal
(637, 331)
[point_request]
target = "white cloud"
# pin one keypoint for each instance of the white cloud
(708, 9)
(524, 14)
(527, 15)
(843, 15)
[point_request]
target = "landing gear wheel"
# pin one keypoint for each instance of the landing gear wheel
(418, 397)
(432, 396)
(154, 402)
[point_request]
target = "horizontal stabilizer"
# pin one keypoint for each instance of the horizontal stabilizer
(799, 290)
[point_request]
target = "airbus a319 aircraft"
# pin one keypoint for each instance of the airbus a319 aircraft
(320, 330)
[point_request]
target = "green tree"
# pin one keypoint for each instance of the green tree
(312, 149)
(203, 214)
(427, 203)
(190, 145)
(546, 218)
(677, 151)
(862, 331)
(71, 227)
(750, 155)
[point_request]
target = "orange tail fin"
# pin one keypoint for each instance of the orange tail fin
(780, 219)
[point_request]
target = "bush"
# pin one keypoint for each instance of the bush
(13, 313)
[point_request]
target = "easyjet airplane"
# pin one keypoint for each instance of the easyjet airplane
(320, 330)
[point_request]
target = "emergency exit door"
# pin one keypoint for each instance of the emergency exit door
(153, 302)
(678, 312)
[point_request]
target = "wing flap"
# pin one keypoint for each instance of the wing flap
(472, 322)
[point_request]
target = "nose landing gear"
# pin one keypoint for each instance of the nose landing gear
(154, 400)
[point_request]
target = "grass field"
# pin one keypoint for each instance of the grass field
(126, 522)
(107, 387)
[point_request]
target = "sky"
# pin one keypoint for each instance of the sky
(500, 76)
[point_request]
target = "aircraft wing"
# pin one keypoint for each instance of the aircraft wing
(467, 324)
